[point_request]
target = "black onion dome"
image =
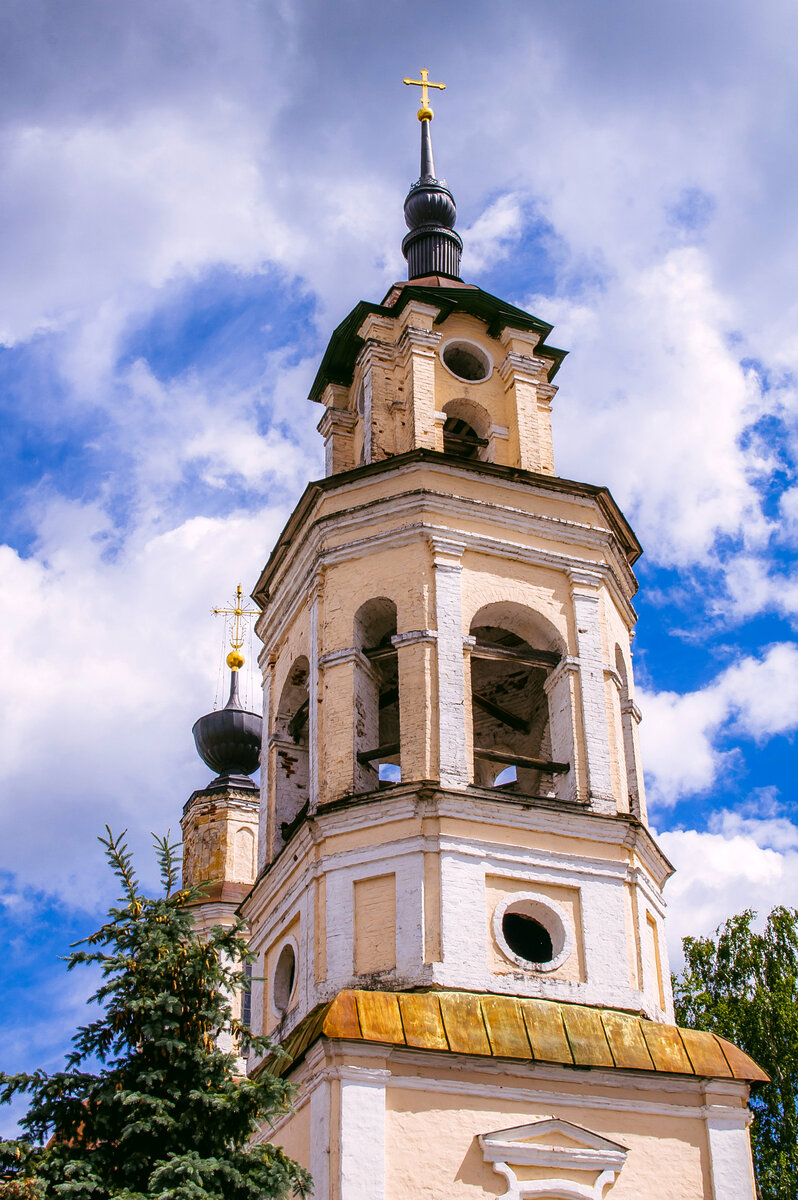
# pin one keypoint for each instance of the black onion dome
(432, 247)
(228, 740)
(430, 204)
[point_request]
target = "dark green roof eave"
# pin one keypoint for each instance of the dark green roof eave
(338, 364)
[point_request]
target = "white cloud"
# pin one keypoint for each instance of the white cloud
(656, 402)
(113, 659)
(740, 863)
(492, 236)
(753, 698)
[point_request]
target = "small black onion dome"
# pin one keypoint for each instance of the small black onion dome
(431, 247)
(228, 740)
(430, 203)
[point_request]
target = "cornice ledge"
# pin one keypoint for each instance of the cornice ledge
(521, 366)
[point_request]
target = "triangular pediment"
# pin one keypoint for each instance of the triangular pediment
(551, 1132)
(566, 1151)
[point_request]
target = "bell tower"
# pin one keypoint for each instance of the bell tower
(458, 911)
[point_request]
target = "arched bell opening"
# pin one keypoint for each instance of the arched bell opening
(377, 738)
(466, 431)
(512, 733)
(292, 757)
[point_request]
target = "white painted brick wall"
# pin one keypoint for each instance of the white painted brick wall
(451, 673)
(594, 704)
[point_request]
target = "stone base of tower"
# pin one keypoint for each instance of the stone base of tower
(380, 1120)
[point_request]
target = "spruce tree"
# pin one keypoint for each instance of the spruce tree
(165, 1115)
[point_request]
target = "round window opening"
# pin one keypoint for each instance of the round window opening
(284, 975)
(467, 361)
(527, 938)
(533, 931)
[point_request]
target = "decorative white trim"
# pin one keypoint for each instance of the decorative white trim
(551, 916)
(518, 1147)
(350, 654)
(301, 559)
(337, 420)
(521, 366)
(313, 698)
(730, 1155)
(413, 636)
(362, 1139)
(594, 706)
(265, 745)
(447, 571)
(545, 1096)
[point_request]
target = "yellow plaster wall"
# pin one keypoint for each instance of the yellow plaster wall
(295, 1134)
(401, 574)
(375, 924)
(487, 580)
(432, 908)
(668, 1157)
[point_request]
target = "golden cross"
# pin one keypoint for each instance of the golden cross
(237, 633)
(425, 112)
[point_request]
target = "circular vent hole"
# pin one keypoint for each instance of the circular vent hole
(467, 361)
(527, 938)
(284, 974)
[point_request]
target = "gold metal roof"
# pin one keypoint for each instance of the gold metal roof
(510, 1027)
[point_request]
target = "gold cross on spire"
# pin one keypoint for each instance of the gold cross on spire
(425, 113)
(235, 659)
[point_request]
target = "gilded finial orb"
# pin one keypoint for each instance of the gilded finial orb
(235, 661)
(425, 113)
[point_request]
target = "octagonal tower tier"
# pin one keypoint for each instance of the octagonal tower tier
(452, 794)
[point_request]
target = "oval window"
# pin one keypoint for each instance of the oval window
(284, 975)
(467, 361)
(533, 931)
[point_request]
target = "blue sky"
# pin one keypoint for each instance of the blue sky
(194, 194)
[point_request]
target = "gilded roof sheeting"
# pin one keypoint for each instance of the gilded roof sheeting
(511, 1027)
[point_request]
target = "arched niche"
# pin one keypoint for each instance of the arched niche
(244, 855)
(376, 696)
(517, 745)
(466, 431)
(292, 756)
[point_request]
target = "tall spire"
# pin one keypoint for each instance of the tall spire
(431, 247)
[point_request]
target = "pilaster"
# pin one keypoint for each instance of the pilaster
(314, 712)
(447, 570)
(416, 657)
(337, 427)
(417, 347)
(561, 688)
(362, 1133)
(595, 722)
(529, 394)
(265, 839)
